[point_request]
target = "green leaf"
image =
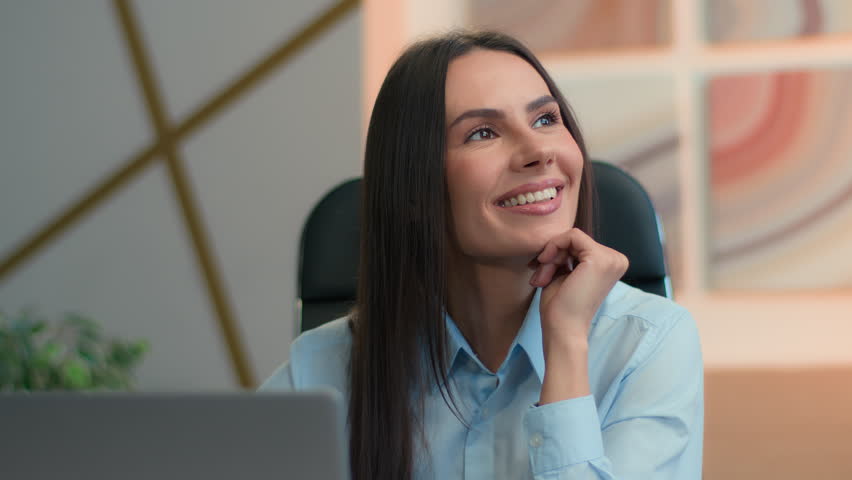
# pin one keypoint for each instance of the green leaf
(89, 352)
(76, 375)
(8, 373)
(37, 327)
(52, 350)
(40, 360)
(69, 354)
(139, 348)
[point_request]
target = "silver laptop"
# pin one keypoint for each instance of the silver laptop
(247, 436)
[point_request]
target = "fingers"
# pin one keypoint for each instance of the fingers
(543, 275)
(555, 258)
(575, 241)
(547, 271)
(533, 265)
(561, 252)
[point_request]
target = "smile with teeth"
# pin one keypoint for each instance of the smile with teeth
(530, 197)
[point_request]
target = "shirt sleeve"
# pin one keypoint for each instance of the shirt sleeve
(654, 429)
(280, 380)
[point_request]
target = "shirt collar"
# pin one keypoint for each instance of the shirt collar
(528, 338)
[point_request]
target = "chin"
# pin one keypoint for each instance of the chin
(520, 246)
(518, 242)
(541, 235)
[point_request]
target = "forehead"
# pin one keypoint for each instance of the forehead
(491, 79)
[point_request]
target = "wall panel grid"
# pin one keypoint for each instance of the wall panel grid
(692, 47)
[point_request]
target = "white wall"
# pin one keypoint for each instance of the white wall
(72, 112)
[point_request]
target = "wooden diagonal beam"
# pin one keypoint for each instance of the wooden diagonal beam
(216, 292)
(210, 109)
(166, 145)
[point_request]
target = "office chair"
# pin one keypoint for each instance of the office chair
(329, 249)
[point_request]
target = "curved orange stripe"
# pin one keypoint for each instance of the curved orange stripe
(736, 105)
(755, 151)
(726, 159)
(787, 127)
(772, 135)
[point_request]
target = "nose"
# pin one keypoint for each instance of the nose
(532, 153)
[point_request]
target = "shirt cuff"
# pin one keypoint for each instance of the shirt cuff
(563, 433)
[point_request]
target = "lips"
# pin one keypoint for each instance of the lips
(529, 188)
(537, 208)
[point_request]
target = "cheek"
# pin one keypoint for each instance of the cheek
(470, 179)
(572, 160)
(467, 199)
(470, 184)
(457, 177)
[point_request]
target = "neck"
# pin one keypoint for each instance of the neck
(488, 302)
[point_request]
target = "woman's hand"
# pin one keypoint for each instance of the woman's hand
(576, 274)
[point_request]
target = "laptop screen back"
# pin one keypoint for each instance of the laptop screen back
(182, 436)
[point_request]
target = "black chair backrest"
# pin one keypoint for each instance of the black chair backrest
(328, 257)
(628, 222)
(328, 254)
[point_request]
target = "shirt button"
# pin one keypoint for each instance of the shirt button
(536, 440)
(484, 412)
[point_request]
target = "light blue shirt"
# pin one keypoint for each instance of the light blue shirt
(643, 420)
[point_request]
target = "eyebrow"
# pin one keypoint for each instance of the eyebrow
(494, 113)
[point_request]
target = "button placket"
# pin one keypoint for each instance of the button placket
(536, 440)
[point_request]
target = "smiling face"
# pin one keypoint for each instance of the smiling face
(513, 168)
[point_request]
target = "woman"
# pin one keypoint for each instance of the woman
(491, 337)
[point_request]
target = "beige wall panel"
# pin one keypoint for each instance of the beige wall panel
(69, 109)
(198, 46)
(263, 165)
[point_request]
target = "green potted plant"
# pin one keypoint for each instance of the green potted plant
(69, 354)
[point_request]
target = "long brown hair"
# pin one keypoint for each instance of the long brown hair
(399, 337)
